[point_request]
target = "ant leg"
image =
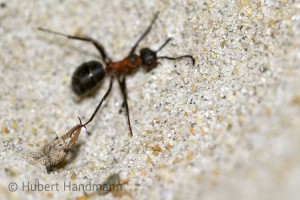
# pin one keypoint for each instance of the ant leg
(98, 45)
(100, 103)
(77, 128)
(144, 34)
(125, 89)
(122, 83)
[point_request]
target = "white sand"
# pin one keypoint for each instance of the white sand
(226, 128)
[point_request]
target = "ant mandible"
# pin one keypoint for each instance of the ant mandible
(89, 74)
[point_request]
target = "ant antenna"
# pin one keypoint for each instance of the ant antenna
(177, 58)
(163, 45)
(172, 58)
(144, 34)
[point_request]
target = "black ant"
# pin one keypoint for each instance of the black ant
(89, 74)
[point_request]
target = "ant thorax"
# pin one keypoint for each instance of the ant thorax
(125, 66)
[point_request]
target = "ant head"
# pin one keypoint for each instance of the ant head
(149, 58)
(87, 77)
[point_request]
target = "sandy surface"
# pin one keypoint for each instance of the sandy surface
(226, 128)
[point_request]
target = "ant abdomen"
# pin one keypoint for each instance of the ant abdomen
(87, 77)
